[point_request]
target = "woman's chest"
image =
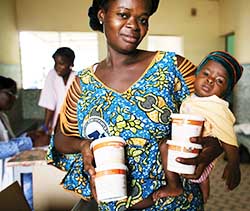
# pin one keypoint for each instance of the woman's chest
(121, 79)
(142, 110)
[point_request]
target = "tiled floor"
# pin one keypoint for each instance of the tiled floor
(236, 200)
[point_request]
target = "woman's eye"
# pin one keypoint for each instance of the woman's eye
(123, 15)
(144, 21)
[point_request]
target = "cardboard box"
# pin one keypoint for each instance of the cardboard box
(48, 195)
(12, 198)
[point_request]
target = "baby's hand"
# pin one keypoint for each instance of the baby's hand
(232, 175)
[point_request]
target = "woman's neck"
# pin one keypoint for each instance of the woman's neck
(115, 60)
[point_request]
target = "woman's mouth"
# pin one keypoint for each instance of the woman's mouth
(130, 39)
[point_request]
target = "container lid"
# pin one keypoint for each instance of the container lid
(187, 117)
(184, 144)
(107, 139)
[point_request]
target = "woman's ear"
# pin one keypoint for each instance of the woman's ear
(101, 15)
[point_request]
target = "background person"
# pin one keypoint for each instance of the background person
(130, 94)
(56, 85)
(11, 145)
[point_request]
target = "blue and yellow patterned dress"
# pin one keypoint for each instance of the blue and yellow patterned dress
(141, 116)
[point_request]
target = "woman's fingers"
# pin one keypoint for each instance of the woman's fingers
(88, 162)
(92, 184)
(188, 161)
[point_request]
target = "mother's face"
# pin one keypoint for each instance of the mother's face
(125, 23)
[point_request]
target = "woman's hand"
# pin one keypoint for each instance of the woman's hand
(88, 161)
(211, 149)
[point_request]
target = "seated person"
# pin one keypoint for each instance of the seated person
(9, 144)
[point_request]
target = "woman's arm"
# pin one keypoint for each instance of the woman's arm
(67, 138)
(67, 144)
(71, 144)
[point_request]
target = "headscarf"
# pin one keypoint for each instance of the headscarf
(232, 66)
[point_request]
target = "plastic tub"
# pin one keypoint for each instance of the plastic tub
(111, 182)
(185, 126)
(108, 150)
(183, 150)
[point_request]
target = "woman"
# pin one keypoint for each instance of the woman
(131, 93)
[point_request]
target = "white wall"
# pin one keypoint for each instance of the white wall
(201, 33)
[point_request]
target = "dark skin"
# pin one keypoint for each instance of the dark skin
(173, 188)
(211, 80)
(125, 25)
(63, 67)
(7, 100)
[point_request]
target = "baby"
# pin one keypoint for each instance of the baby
(215, 78)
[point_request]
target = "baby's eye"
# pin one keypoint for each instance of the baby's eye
(206, 73)
(220, 81)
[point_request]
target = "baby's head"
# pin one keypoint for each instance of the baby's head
(217, 74)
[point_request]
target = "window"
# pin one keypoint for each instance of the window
(37, 49)
(166, 43)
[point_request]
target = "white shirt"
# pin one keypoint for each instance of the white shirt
(54, 92)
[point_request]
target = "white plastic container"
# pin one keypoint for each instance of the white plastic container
(108, 150)
(185, 126)
(183, 150)
(111, 182)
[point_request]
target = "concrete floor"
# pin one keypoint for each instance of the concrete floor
(222, 200)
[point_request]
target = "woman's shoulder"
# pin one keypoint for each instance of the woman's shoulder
(85, 70)
(180, 60)
(171, 55)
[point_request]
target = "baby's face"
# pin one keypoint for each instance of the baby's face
(211, 80)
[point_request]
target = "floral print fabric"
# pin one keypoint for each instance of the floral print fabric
(141, 116)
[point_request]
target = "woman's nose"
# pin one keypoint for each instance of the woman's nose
(132, 23)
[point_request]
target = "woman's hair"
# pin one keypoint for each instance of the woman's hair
(8, 83)
(65, 52)
(98, 4)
